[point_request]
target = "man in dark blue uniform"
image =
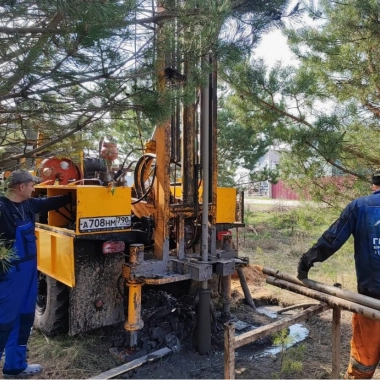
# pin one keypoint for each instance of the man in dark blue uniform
(361, 218)
(18, 285)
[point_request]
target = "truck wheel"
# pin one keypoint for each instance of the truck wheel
(52, 307)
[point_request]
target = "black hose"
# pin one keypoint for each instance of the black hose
(139, 175)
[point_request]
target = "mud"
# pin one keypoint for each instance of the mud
(172, 323)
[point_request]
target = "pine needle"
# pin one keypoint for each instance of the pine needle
(7, 256)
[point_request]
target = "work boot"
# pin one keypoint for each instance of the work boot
(30, 370)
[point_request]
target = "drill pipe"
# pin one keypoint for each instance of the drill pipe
(328, 289)
(244, 285)
(326, 298)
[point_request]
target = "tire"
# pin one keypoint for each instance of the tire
(52, 307)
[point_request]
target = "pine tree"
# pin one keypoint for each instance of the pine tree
(326, 109)
(70, 67)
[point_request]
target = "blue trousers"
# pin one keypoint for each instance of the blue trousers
(18, 294)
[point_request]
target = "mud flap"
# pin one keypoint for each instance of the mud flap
(95, 301)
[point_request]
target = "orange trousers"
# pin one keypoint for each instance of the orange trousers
(365, 347)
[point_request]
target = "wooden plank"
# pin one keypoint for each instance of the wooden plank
(335, 373)
(133, 364)
(263, 331)
(229, 351)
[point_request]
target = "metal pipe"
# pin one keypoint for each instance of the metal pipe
(213, 152)
(136, 253)
(326, 298)
(204, 322)
(189, 151)
(134, 321)
(205, 101)
(328, 289)
(226, 295)
(204, 317)
(244, 285)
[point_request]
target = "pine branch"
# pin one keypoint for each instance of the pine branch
(30, 58)
(30, 30)
(7, 256)
(335, 164)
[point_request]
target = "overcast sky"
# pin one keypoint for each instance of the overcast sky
(273, 47)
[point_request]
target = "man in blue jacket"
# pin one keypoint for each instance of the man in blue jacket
(18, 285)
(361, 218)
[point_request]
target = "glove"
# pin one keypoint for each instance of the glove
(302, 270)
(68, 198)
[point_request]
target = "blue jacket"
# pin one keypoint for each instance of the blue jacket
(9, 214)
(361, 218)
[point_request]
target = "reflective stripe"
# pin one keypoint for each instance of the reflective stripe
(361, 367)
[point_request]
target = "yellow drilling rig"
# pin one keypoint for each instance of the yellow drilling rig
(172, 225)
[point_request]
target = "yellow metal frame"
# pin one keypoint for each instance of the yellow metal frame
(55, 244)
(226, 205)
(90, 202)
(55, 255)
(225, 202)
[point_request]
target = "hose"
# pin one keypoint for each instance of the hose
(140, 175)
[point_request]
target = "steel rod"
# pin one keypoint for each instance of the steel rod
(328, 299)
(205, 115)
(244, 285)
(328, 289)
(204, 322)
(226, 295)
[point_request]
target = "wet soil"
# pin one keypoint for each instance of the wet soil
(310, 358)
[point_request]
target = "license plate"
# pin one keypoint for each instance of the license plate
(106, 223)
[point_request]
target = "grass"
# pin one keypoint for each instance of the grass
(70, 357)
(278, 236)
(291, 359)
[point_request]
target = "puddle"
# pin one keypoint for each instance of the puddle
(269, 311)
(297, 333)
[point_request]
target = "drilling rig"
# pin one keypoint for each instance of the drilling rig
(172, 225)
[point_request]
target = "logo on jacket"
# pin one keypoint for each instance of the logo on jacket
(376, 245)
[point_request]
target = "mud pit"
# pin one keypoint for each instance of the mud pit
(172, 324)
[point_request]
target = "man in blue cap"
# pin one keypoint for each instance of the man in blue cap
(18, 285)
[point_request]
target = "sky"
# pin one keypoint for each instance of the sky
(273, 47)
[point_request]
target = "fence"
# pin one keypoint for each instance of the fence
(332, 297)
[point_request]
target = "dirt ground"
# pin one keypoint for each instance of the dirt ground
(249, 360)
(86, 356)
(309, 359)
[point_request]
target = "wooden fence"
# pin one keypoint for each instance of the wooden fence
(232, 342)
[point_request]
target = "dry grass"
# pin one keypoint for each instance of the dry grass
(280, 235)
(78, 357)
